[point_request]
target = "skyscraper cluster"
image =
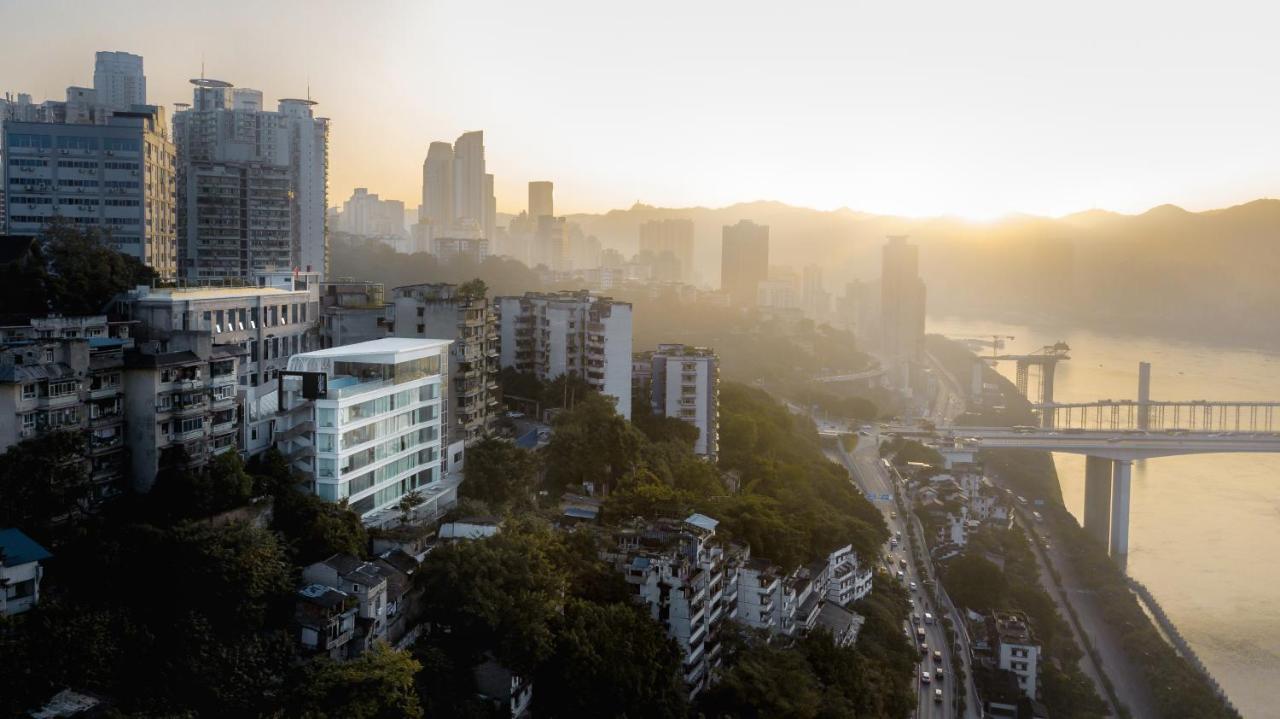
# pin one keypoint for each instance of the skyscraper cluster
(457, 193)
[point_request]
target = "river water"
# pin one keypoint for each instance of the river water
(1204, 529)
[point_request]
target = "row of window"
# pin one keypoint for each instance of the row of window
(73, 142)
(388, 426)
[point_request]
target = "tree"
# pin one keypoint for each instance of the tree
(181, 493)
(500, 594)
(82, 273)
(378, 684)
(974, 582)
(499, 473)
(610, 660)
(43, 480)
(591, 443)
(474, 289)
(315, 529)
(765, 681)
(409, 502)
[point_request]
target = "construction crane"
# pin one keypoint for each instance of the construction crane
(1047, 359)
(996, 343)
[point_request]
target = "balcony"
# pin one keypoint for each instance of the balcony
(188, 384)
(191, 408)
(224, 427)
(99, 445)
(106, 419)
(187, 436)
(104, 392)
(64, 400)
(223, 449)
(221, 380)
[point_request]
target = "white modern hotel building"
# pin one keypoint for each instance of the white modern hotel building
(362, 423)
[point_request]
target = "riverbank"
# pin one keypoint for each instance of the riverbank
(1175, 687)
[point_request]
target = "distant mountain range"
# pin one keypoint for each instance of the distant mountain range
(1211, 275)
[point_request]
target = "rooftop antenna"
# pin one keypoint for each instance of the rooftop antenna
(201, 66)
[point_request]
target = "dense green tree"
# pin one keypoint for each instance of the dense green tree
(181, 493)
(610, 661)
(378, 684)
(71, 271)
(314, 529)
(499, 473)
(643, 494)
(591, 443)
(766, 680)
(500, 594)
(42, 480)
(974, 582)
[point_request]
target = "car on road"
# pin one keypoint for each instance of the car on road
(924, 649)
(937, 696)
(925, 678)
(893, 515)
(903, 562)
(1022, 499)
(939, 674)
(928, 618)
(902, 574)
(915, 618)
(913, 586)
(937, 655)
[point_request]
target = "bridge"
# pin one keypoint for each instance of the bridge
(854, 377)
(1109, 456)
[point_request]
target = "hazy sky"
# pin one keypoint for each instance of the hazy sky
(974, 109)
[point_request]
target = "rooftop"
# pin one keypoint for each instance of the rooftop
(186, 294)
(388, 350)
(17, 548)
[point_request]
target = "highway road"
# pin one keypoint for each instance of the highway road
(870, 476)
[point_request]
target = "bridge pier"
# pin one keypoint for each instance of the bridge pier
(1121, 477)
(1097, 498)
(1144, 395)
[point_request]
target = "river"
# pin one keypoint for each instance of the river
(1202, 527)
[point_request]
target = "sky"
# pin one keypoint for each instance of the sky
(973, 109)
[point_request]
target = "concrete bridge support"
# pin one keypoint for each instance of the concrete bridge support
(1097, 498)
(1144, 395)
(1121, 477)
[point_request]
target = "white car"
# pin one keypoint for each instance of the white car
(913, 586)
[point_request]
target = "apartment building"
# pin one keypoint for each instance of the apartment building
(688, 579)
(65, 373)
(685, 384)
(181, 405)
(252, 184)
(559, 333)
(116, 177)
(761, 596)
(352, 311)
(470, 321)
(363, 423)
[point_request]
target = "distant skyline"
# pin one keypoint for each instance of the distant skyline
(943, 109)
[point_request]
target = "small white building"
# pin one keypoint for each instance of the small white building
(362, 422)
(20, 571)
(849, 580)
(1016, 650)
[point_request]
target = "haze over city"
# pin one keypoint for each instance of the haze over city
(974, 110)
(676, 361)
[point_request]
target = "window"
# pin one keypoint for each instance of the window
(191, 425)
(121, 144)
(73, 142)
(62, 389)
(48, 355)
(28, 391)
(17, 139)
(28, 421)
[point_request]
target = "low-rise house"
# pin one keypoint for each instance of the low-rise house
(403, 597)
(843, 624)
(578, 509)
(326, 619)
(511, 694)
(470, 528)
(1016, 649)
(20, 571)
(850, 580)
(365, 582)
